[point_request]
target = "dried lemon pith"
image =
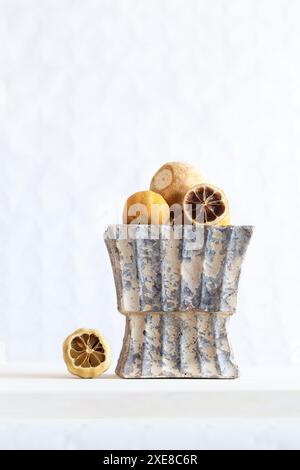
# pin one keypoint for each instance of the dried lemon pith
(86, 353)
(206, 204)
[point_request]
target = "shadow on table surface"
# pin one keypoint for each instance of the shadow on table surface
(40, 375)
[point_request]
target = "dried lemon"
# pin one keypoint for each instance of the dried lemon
(206, 204)
(174, 179)
(86, 353)
(146, 207)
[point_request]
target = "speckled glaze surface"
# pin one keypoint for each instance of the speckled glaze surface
(177, 287)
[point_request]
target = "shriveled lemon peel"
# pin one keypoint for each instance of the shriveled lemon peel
(206, 204)
(86, 353)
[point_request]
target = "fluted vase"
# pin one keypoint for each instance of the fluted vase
(177, 287)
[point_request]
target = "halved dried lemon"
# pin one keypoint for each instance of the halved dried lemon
(86, 353)
(206, 204)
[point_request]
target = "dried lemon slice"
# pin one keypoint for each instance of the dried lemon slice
(86, 353)
(206, 204)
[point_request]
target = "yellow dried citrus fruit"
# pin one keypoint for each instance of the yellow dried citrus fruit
(146, 207)
(206, 204)
(86, 353)
(174, 179)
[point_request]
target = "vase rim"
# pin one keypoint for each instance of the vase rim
(172, 227)
(187, 225)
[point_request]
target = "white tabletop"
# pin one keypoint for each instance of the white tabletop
(46, 401)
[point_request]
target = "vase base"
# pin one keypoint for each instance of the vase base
(176, 345)
(234, 375)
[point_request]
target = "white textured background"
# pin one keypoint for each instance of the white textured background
(94, 97)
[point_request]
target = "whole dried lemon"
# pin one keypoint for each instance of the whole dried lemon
(206, 204)
(146, 207)
(174, 179)
(86, 353)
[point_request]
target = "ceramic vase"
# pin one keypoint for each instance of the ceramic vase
(177, 287)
